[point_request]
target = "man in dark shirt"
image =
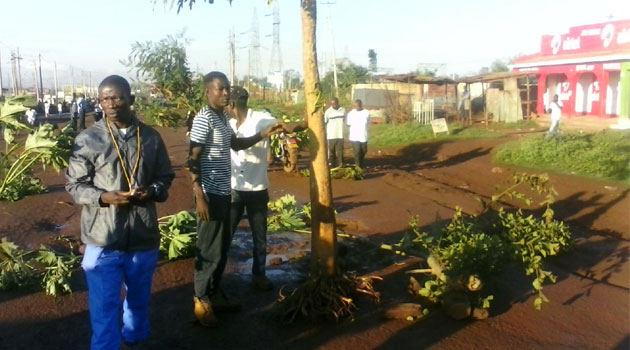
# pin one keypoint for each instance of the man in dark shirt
(118, 169)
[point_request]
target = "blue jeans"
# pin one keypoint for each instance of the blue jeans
(106, 272)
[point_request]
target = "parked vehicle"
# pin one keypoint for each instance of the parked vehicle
(285, 150)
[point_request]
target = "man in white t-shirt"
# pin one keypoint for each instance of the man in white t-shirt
(249, 177)
(333, 118)
(31, 116)
(555, 108)
(358, 120)
(46, 109)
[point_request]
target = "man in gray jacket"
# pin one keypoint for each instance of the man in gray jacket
(118, 169)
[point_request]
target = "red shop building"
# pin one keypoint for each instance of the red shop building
(583, 67)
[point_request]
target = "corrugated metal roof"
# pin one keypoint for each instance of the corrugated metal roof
(494, 77)
(414, 79)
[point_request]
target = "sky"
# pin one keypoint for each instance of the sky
(461, 37)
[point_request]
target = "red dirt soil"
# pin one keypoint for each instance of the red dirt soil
(589, 306)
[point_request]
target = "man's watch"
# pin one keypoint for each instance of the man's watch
(156, 190)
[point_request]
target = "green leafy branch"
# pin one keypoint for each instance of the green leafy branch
(43, 145)
(287, 216)
(473, 249)
(20, 268)
(178, 235)
(346, 172)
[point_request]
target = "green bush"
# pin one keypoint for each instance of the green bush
(603, 155)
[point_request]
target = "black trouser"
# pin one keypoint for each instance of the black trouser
(82, 120)
(359, 149)
(213, 242)
(255, 202)
(73, 121)
(335, 152)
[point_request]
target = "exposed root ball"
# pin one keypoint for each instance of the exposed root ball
(328, 297)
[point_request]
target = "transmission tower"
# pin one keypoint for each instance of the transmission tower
(275, 64)
(254, 66)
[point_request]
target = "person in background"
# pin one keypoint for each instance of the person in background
(31, 116)
(358, 121)
(118, 191)
(73, 114)
(98, 112)
(333, 118)
(555, 108)
(81, 110)
(210, 166)
(59, 108)
(249, 177)
(46, 109)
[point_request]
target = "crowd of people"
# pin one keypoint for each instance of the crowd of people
(77, 108)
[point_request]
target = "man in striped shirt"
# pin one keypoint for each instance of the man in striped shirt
(209, 161)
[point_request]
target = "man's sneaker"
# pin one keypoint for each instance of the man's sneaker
(220, 303)
(204, 313)
(262, 283)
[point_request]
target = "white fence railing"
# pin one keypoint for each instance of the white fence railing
(423, 111)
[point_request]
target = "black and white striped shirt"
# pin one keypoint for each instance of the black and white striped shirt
(214, 133)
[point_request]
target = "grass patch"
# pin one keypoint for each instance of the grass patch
(519, 125)
(278, 109)
(604, 155)
(392, 135)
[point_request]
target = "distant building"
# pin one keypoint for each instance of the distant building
(588, 67)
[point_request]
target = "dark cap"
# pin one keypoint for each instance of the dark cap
(238, 93)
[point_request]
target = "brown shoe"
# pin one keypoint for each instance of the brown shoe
(221, 303)
(204, 313)
(262, 283)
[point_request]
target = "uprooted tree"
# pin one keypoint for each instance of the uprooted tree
(472, 250)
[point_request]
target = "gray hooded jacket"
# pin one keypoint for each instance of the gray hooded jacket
(94, 168)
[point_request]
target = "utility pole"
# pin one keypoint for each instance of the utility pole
(36, 80)
(332, 40)
(72, 80)
(19, 71)
(41, 82)
(254, 51)
(13, 74)
(90, 82)
(232, 58)
(56, 86)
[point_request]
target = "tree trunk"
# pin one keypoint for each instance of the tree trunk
(324, 238)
